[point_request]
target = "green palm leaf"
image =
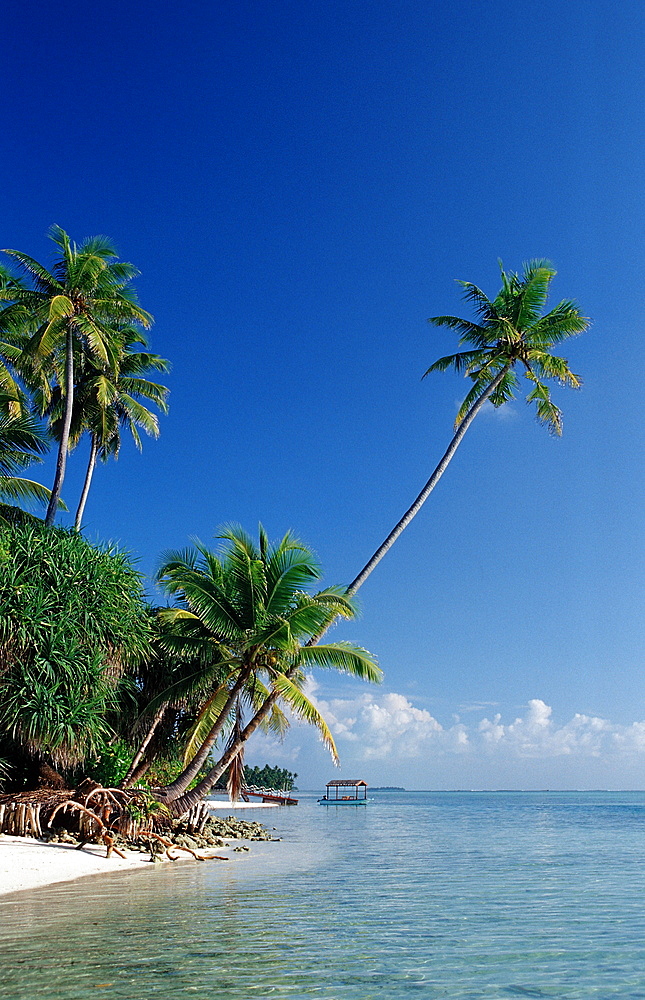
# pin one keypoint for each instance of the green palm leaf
(304, 709)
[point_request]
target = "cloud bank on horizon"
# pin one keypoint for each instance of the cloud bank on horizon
(389, 739)
(389, 723)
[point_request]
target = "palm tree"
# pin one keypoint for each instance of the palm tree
(244, 619)
(106, 401)
(511, 333)
(78, 305)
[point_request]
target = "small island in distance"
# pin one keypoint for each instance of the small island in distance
(387, 788)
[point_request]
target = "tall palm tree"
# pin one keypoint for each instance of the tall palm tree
(511, 334)
(105, 402)
(245, 615)
(79, 304)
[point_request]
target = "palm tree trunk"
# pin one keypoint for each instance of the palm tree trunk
(127, 780)
(140, 770)
(176, 788)
(182, 803)
(61, 461)
(91, 465)
(425, 492)
(186, 801)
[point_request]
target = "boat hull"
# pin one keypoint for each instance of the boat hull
(342, 802)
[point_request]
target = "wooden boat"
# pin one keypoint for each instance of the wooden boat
(358, 798)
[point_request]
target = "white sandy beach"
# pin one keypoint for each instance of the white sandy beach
(26, 863)
(239, 806)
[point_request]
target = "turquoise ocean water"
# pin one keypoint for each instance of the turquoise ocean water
(420, 894)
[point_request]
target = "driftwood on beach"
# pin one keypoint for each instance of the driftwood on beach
(93, 813)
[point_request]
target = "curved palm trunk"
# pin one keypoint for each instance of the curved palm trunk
(140, 771)
(426, 491)
(189, 799)
(61, 461)
(183, 803)
(176, 788)
(138, 757)
(91, 465)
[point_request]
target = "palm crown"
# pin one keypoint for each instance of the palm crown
(512, 331)
(244, 618)
(80, 305)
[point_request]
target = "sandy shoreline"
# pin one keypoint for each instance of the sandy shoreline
(26, 863)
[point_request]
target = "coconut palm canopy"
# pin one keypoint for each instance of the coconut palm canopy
(22, 442)
(80, 304)
(512, 336)
(244, 616)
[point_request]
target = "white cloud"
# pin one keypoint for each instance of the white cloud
(389, 725)
(381, 725)
(536, 735)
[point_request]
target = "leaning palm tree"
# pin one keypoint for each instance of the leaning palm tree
(244, 618)
(79, 304)
(511, 336)
(511, 333)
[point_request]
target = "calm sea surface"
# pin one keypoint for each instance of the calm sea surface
(420, 894)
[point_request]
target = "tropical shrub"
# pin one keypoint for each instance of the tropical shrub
(73, 624)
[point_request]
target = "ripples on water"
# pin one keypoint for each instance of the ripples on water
(452, 895)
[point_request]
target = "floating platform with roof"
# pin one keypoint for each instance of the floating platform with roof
(334, 796)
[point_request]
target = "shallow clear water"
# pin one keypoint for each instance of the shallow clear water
(458, 895)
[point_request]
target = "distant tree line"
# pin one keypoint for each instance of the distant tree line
(269, 777)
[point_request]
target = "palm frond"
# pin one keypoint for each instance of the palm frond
(304, 709)
(344, 657)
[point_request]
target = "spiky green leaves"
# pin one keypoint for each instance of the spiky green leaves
(73, 618)
(513, 334)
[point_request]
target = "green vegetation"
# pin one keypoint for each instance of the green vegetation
(511, 333)
(94, 682)
(72, 629)
(244, 618)
(67, 353)
(22, 442)
(269, 777)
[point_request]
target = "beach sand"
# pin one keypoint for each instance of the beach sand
(239, 806)
(26, 863)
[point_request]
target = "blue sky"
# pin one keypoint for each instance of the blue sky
(300, 185)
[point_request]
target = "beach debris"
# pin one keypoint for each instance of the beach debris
(122, 820)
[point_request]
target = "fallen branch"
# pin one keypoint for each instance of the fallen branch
(168, 844)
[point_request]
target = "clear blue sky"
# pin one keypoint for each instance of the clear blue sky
(300, 184)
